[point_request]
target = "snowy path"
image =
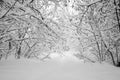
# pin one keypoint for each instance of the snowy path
(37, 70)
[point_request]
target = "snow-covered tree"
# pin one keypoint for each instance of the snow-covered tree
(38, 28)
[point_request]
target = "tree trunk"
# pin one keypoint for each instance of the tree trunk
(19, 53)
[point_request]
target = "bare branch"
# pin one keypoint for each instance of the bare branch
(9, 9)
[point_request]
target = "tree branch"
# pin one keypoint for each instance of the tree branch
(9, 9)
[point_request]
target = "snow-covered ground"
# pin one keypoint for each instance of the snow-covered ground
(32, 69)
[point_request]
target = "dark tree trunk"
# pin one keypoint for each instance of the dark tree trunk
(19, 53)
(10, 46)
(117, 13)
(118, 64)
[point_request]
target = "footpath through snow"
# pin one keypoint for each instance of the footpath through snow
(26, 69)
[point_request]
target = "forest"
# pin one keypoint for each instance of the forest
(86, 29)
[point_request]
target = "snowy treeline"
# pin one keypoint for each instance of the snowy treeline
(88, 29)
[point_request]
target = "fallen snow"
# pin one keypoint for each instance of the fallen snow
(31, 69)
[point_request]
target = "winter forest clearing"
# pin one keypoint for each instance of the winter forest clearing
(59, 39)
